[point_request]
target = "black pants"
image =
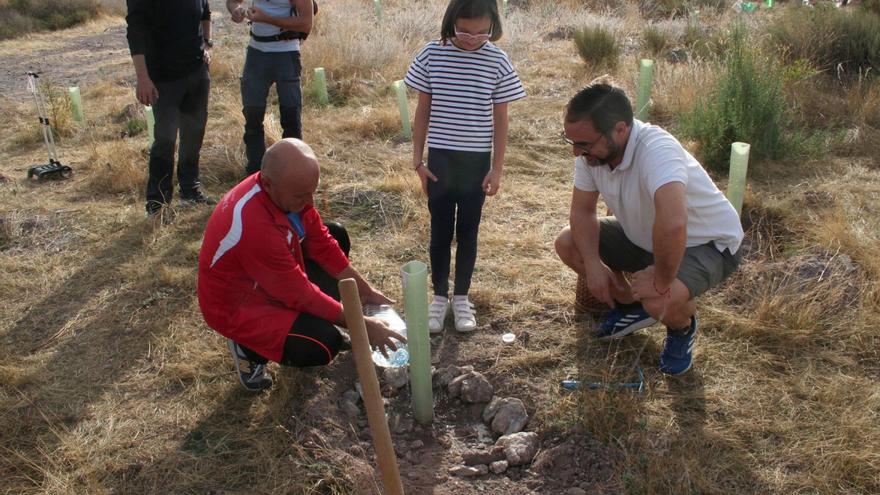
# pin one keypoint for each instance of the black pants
(456, 205)
(312, 341)
(261, 71)
(182, 107)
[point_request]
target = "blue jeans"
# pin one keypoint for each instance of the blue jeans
(182, 107)
(261, 70)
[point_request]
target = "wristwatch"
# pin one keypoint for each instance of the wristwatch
(209, 43)
(419, 165)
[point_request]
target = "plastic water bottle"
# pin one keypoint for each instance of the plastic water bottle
(400, 357)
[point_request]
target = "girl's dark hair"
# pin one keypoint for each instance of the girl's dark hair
(603, 104)
(470, 9)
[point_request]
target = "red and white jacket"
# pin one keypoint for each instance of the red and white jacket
(252, 281)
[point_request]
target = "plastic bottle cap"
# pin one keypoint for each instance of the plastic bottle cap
(508, 338)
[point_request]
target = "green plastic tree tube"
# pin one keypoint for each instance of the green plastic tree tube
(76, 106)
(739, 166)
(505, 7)
(378, 4)
(415, 305)
(403, 104)
(769, 4)
(151, 121)
(321, 87)
(643, 98)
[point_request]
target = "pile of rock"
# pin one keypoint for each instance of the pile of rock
(504, 418)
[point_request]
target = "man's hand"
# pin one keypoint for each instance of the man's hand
(645, 285)
(255, 14)
(147, 93)
(492, 182)
(424, 175)
(206, 55)
(381, 336)
(372, 296)
(600, 280)
(238, 14)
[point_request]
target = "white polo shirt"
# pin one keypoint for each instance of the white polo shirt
(653, 158)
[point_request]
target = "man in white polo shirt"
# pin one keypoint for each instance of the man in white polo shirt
(672, 229)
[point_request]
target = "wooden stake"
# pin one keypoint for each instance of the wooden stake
(360, 344)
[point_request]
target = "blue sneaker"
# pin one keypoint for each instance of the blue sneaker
(677, 355)
(620, 323)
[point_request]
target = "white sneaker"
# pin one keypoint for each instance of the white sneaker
(437, 314)
(463, 313)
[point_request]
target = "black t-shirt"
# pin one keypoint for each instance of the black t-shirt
(169, 35)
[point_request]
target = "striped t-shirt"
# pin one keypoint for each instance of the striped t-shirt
(463, 86)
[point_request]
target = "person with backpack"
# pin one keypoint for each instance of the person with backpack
(277, 30)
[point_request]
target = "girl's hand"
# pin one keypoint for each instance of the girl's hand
(424, 175)
(492, 182)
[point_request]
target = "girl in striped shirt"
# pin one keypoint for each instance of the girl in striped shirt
(465, 83)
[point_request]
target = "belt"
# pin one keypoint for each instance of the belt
(282, 36)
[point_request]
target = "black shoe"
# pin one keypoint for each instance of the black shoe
(252, 376)
(197, 197)
(157, 210)
(346, 340)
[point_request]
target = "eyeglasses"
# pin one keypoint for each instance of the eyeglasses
(583, 145)
(471, 38)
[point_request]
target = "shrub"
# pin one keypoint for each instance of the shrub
(656, 9)
(21, 16)
(747, 104)
(655, 41)
(597, 46)
(833, 40)
(703, 42)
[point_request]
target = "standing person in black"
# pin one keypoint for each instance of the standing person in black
(170, 46)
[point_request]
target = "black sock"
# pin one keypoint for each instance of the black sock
(681, 331)
(627, 307)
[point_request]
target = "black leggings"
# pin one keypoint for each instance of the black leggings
(313, 341)
(459, 183)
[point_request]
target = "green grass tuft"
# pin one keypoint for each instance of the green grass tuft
(597, 46)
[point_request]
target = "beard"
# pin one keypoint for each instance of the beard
(613, 153)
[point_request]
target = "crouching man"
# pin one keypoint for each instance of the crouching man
(672, 228)
(268, 271)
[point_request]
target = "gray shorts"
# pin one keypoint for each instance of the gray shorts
(702, 267)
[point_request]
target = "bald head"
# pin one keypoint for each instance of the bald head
(290, 174)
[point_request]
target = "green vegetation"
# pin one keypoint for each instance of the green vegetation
(597, 46)
(19, 17)
(747, 105)
(655, 41)
(836, 41)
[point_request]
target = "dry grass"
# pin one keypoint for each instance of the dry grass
(111, 383)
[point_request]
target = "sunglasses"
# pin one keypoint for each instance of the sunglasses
(471, 38)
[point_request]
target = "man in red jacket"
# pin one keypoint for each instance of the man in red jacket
(268, 269)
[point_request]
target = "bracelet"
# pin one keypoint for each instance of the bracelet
(664, 293)
(419, 165)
